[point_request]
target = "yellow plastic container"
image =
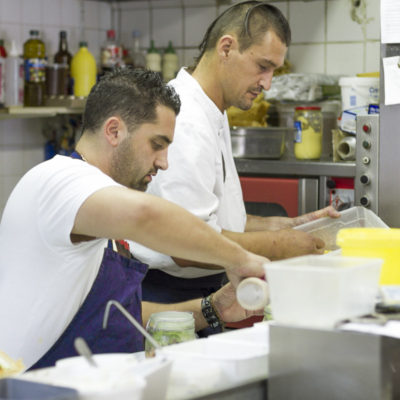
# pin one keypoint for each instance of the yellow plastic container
(83, 71)
(374, 242)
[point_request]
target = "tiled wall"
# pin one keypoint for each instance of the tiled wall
(21, 140)
(325, 40)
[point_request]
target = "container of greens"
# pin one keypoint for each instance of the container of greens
(169, 327)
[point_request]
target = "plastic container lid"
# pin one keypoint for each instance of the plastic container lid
(357, 80)
(369, 237)
(252, 294)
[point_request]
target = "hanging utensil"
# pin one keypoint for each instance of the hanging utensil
(131, 319)
(83, 350)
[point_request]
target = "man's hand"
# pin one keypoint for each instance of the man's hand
(255, 223)
(312, 216)
(293, 243)
(252, 265)
(226, 305)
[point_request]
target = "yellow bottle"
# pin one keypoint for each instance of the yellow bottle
(83, 71)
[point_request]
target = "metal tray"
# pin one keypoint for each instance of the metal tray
(257, 142)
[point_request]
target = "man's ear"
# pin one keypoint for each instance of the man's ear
(113, 128)
(225, 45)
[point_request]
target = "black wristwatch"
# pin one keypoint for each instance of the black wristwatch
(210, 314)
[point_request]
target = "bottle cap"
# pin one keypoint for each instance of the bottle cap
(34, 32)
(111, 34)
(83, 44)
(136, 34)
(63, 34)
(1, 42)
(252, 294)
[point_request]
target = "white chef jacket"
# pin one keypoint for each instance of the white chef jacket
(201, 176)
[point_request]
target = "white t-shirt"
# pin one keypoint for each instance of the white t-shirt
(44, 277)
(195, 179)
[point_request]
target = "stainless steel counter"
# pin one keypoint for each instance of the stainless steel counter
(293, 167)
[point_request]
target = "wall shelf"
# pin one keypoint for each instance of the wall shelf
(37, 112)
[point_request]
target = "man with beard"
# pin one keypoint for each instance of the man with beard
(61, 257)
(238, 55)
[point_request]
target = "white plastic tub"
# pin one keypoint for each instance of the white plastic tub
(238, 361)
(358, 91)
(327, 228)
(320, 291)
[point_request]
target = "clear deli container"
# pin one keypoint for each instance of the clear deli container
(321, 291)
(238, 361)
(327, 228)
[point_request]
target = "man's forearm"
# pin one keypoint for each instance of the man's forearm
(193, 306)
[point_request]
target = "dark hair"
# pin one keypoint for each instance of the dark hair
(249, 20)
(131, 94)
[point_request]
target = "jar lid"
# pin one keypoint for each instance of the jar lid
(171, 320)
(308, 108)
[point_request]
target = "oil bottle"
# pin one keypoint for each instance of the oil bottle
(35, 74)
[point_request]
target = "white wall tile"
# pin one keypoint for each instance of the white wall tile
(283, 7)
(197, 20)
(307, 58)
(373, 57)
(340, 26)
(71, 13)
(134, 5)
(51, 12)
(168, 25)
(196, 3)
(11, 160)
(344, 59)
(104, 16)
(31, 12)
(91, 19)
(136, 20)
(12, 11)
(189, 55)
(12, 32)
(95, 42)
(374, 26)
(307, 21)
(165, 3)
(2, 10)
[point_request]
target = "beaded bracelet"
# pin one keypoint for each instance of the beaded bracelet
(210, 313)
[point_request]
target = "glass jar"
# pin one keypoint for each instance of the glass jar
(308, 133)
(169, 327)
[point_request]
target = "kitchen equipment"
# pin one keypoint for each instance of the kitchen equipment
(19, 389)
(169, 327)
(327, 228)
(320, 291)
(257, 142)
(374, 242)
(307, 364)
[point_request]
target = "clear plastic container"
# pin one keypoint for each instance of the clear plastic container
(169, 327)
(374, 242)
(308, 135)
(321, 291)
(238, 361)
(327, 228)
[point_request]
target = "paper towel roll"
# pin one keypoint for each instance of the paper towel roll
(347, 148)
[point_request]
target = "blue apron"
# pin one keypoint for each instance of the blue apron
(119, 278)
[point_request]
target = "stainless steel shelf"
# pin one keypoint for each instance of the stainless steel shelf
(289, 167)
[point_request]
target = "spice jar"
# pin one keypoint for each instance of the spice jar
(169, 327)
(308, 133)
